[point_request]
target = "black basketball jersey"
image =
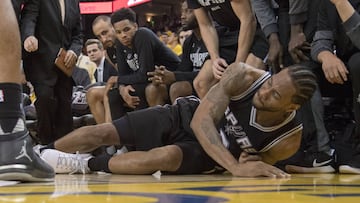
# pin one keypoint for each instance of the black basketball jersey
(220, 10)
(241, 126)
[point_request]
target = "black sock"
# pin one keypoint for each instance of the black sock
(100, 163)
(49, 146)
(11, 111)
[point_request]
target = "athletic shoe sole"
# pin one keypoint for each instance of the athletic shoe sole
(348, 169)
(300, 169)
(19, 172)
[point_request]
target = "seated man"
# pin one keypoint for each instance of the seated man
(105, 32)
(138, 51)
(173, 84)
(104, 69)
(163, 140)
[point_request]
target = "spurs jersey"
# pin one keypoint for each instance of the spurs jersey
(241, 126)
(220, 10)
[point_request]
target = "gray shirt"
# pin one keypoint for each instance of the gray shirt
(352, 28)
(298, 11)
(264, 11)
(265, 15)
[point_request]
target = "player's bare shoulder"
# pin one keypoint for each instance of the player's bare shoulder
(238, 77)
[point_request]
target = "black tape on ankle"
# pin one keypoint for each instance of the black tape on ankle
(49, 146)
(100, 163)
(10, 100)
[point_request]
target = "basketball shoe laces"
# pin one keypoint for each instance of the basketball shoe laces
(80, 164)
(74, 163)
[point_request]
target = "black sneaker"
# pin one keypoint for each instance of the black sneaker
(18, 161)
(320, 162)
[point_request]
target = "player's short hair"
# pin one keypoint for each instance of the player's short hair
(101, 18)
(94, 41)
(123, 14)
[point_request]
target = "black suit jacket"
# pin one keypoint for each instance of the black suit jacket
(42, 19)
(109, 71)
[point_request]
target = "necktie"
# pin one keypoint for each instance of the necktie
(100, 74)
(62, 9)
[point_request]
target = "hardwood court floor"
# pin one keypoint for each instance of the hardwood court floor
(310, 188)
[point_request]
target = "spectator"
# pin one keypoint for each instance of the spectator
(104, 31)
(174, 43)
(96, 53)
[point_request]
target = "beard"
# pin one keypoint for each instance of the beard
(191, 24)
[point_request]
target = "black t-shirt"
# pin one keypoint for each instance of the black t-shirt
(194, 52)
(220, 10)
(147, 51)
(193, 57)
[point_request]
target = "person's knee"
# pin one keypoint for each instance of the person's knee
(90, 95)
(156, 94)
(150, 94)
(171, 157)
(103, 134)
(354, 64)
(201, 86)
(93, 95)
(204, 80)
(174, 157)
(180, 89)
(255, 61)
(197, 84)
(151, 91)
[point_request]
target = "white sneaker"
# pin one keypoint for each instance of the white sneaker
(63, 162)
(37, 148)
